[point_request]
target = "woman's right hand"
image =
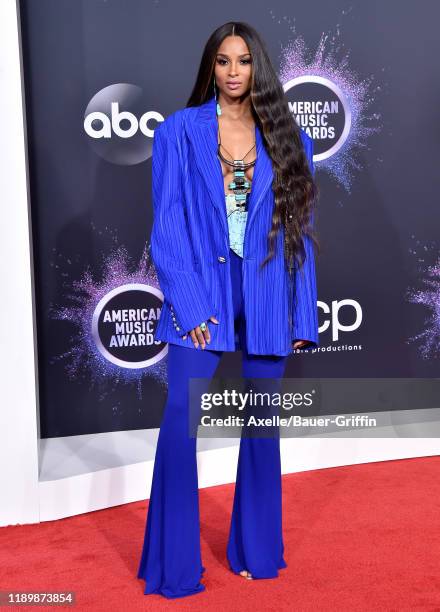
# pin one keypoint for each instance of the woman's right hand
(200, 337)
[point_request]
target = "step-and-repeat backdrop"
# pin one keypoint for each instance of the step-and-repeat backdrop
(361, 78)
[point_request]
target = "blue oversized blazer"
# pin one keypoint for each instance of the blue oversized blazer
(190, 245)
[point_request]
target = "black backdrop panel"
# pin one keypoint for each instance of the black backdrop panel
(98, 77)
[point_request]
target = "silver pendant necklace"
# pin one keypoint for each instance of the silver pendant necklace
(240, 185)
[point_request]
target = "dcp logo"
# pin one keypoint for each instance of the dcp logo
(322, 110)
(119, 129)
(353, 311)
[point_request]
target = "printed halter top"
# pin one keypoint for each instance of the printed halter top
(237, 218)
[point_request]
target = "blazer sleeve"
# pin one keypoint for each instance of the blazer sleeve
(171, 250)
(305, 310)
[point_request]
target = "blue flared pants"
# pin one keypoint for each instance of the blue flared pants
(171, 562)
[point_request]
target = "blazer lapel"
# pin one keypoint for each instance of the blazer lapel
(201, 130)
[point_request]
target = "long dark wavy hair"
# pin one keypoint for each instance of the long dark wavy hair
(294, 187)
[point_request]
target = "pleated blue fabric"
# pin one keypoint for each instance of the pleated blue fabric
(190, 245)
(171, 562)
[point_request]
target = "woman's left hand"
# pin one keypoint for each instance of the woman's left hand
(299, 343)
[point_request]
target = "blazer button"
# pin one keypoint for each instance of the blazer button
(221, 259)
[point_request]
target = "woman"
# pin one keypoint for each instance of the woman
(232, 243)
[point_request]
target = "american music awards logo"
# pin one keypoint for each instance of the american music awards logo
(331, 103)
(123, 325)
(114, 319)
(322, 110)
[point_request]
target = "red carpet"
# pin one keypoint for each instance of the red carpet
(363, 537)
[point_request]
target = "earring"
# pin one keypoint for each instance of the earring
(219, 110)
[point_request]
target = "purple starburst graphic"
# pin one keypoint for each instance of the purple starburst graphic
(429, 296)
(331, 61)
(83, 359)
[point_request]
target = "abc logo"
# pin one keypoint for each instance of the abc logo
(118, 127)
